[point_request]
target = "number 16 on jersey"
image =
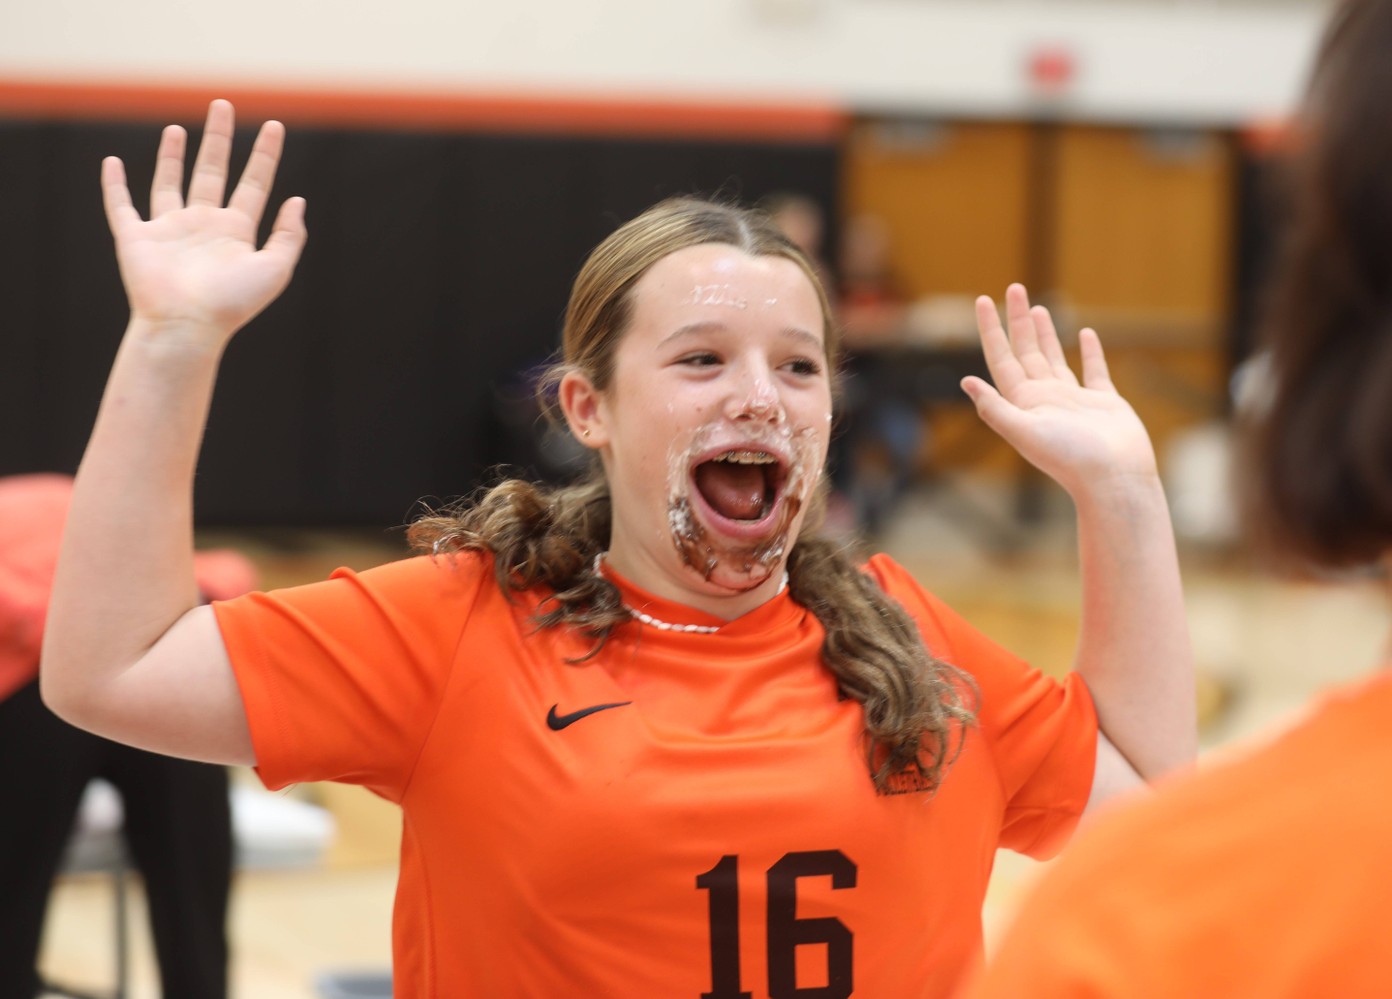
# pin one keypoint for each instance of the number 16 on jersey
(784, 932)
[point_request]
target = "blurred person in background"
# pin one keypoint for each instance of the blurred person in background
(1266, 875)
(884, 427)
(879, 432)
(802, 219)
(177, 821)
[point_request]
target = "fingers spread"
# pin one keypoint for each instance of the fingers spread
(1000, 358)
(167, 186)
(994, 409)
(116, 198)
(209, 182)
(1095, 372)
(1050, 345)
(254, 187)
(1024, 337)
(288, 232)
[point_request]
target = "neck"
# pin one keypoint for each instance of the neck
(686, 586)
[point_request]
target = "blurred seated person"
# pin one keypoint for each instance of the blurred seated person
(875, 456)
(874, 308)
(178, 824)
(803, 220)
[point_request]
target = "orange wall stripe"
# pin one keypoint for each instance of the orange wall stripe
(416, 111)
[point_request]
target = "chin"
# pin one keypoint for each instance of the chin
(737, 502)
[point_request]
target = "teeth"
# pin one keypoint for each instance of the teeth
(747, 457)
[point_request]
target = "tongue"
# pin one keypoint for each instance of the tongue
(734, 491)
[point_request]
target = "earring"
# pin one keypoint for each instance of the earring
(585, 434)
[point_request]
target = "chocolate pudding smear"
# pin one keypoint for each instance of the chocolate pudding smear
(733, 494)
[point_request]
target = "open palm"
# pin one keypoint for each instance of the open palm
(194, 265)
(1077, 432)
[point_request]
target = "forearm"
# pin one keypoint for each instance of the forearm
(125, 576)
(1134, 650)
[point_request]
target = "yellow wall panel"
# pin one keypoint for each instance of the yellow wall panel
(1141, 220)
(954, 196)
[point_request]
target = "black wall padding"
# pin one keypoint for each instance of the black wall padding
(436, 273)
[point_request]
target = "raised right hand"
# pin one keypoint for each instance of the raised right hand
(192, 272)
(1078, 431)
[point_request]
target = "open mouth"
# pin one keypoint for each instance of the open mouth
(740, 485)
(733, 503)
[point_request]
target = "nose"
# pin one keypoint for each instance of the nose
(756, 398)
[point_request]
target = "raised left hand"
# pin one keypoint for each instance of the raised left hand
(1081, 434)
(193, 272)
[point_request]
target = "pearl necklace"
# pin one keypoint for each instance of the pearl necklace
(648, 619)
(698, 629)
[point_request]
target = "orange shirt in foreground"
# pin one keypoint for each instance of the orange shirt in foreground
(684, 815)
(1267, 877)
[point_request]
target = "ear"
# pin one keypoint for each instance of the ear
(583, 405)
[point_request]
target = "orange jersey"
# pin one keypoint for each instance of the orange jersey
(685, 815)
(1264, 877)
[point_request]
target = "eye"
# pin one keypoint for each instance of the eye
(805, 366)
(699, 359)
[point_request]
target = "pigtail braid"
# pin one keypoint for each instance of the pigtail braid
(916, 706)
(537, 535)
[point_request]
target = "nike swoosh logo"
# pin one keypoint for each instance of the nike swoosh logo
(557, 722)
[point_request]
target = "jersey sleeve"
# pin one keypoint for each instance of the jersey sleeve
(342, 679)
(1041, 732)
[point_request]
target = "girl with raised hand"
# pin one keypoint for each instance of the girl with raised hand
(650, 734)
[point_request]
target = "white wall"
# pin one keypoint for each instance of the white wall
(1174, 60)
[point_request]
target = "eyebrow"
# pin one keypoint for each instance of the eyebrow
(713, 326)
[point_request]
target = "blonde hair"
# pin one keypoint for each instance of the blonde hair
(915, 705)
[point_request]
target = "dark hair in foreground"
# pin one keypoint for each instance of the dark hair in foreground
(1320, 447)
(915, 705)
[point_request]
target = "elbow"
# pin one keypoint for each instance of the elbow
(56, 695)
(71, 701)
